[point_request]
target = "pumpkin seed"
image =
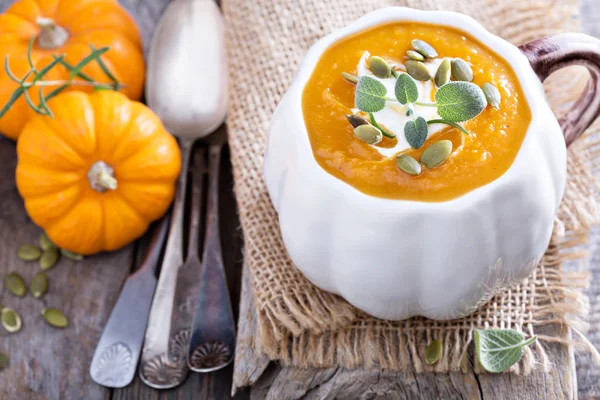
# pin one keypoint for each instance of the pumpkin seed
(492, 94)
(414, 55)
(55, 318)
(39, 285)
(368, 134)
(461, 70)
(356, 121)
(442, 76)
(45, 242)
(49, 258)
(70, 255)
(15, 283)
(424, 48)
(437, 153)
(28, 252)
(3, 361)
(433, 352)
(11, 321)
(417, 70)
(349, 77)
(379, 67)
(408, 164)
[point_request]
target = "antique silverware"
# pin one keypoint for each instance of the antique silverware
(192, 104)
(213, 330)
(116, 357)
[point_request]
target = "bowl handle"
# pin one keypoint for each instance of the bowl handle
(552, 53)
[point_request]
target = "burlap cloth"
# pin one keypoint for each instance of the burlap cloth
(302, 325)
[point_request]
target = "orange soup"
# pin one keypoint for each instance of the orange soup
(476, 160)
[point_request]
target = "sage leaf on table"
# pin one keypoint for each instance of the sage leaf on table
(460, 101)
(415, 132)
(499, 349)
(370, 95)
(406, 89)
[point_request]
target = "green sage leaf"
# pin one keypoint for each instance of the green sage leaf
(370, 95)
(499, 349)
(406, 89)
(460, 101)
(415, 132)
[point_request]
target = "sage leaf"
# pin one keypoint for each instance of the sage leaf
(370, 95)
(499, 349)
(415, 132)
(460, 101)
(406, 89)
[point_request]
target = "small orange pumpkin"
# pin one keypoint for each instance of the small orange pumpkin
(67, 27)
(96, 174)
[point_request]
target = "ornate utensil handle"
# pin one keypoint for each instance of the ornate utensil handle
(118, 350)
(162, 363)
(552, 53)
(213, 331)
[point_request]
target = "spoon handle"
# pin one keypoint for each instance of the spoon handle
(118, 349)
(164, 364)
(213, 330)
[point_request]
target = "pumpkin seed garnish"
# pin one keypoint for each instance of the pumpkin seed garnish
(28, 252)
(408, 164)
(436, 154)
(356, 121)
(55, 317)
(70, 255)
(461, 70)
(379, 67)
(442, 76)
(11, 321)
(49, 258)
(414, 55)
(15, 284)
(349, 77)
(433, 352)
(368, 134)
(39, 285)
(417, 70)
(4, 360)
(492, 95)
(424, 48)
(45, 242)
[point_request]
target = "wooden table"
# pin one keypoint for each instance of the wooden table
(53, 364)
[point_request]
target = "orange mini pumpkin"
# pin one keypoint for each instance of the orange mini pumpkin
(96, 174)
(67, 27)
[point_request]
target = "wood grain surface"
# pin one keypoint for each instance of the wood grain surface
(48, 363)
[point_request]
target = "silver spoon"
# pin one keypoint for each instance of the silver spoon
(118, 351)
(186, 87)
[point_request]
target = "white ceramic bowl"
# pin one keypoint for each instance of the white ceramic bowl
(395, 259)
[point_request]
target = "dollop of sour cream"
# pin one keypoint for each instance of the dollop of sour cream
(393, 116)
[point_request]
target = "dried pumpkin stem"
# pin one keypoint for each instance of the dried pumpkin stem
(101, 177)
(52, 36)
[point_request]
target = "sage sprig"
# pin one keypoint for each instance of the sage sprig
(499, 349)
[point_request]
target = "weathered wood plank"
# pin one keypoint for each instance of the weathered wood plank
(47, 362)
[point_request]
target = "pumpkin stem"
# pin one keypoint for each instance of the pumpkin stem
(102, 177)
(51, 36)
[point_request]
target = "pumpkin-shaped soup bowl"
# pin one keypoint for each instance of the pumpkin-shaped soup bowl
(437, 235)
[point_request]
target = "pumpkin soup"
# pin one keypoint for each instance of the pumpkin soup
(414, 111)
